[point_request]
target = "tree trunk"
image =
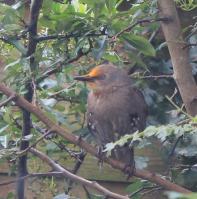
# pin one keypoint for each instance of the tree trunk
(179, 55)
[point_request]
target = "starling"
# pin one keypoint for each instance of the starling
(114, 108)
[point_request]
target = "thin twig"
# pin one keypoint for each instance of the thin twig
(129, 28)
(5, 102)
(155, 77)
(142, 189)
(67, 36)
(55, 173)
(76, 178)
(174, 93)
(174, 147)
(149, 191)
(190, 45)
(21, 153)
(183, 122)
(70, 152)
(87, 192)
(60, 63)
(177, 107)
(59, 144)
(77, 166)
(63, 90)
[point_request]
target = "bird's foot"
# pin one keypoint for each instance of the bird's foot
(129, 169)
(100, 155)
(79, 139)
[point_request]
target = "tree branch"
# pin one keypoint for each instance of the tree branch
(32, 175)
(142, 189)
(59, 65)
(179, 55)
(26, 129)
(21, 102)
(67, 36)
(154, 77)
(21, 153)
(190, 45)
(5, 102)
(76, 178)
(129, 28)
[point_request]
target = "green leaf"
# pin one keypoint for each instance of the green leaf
(111, 5)
(3, 128)
(137, 60)
(134, 186)
(10, 195)
(194, 119)
(90, 3)
(12, 64)
(19, 46)
(176, 195)
(12, 27)
(140, 43)
(111, 56)
(64, 196)
(108, 148)
(51, 146)
(49, 102)
(150, 131)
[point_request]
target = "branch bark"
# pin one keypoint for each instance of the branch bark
(21, 102)
(26, 129)
(76, 178)
(179, 55)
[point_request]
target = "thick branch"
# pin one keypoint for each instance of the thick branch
(76, 178)
(34, 13)
(179, 55)
(26, 129)
(21, 102)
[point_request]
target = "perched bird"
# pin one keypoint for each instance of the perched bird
(114, 108)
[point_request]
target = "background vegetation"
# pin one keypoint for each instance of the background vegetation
(43, 44)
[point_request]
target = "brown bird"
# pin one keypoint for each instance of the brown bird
(114, 108)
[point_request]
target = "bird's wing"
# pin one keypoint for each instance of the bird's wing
(131, 112)
(138, 109)
(122, 114)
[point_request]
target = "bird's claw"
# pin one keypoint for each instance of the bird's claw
(100, 155)
(129, 169)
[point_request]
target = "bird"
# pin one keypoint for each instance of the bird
(115, 107)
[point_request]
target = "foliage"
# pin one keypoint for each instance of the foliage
(165, 132)
(72, 38)
(175, 195)
(187, 5)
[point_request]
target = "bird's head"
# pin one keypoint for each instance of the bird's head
(103, 77)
